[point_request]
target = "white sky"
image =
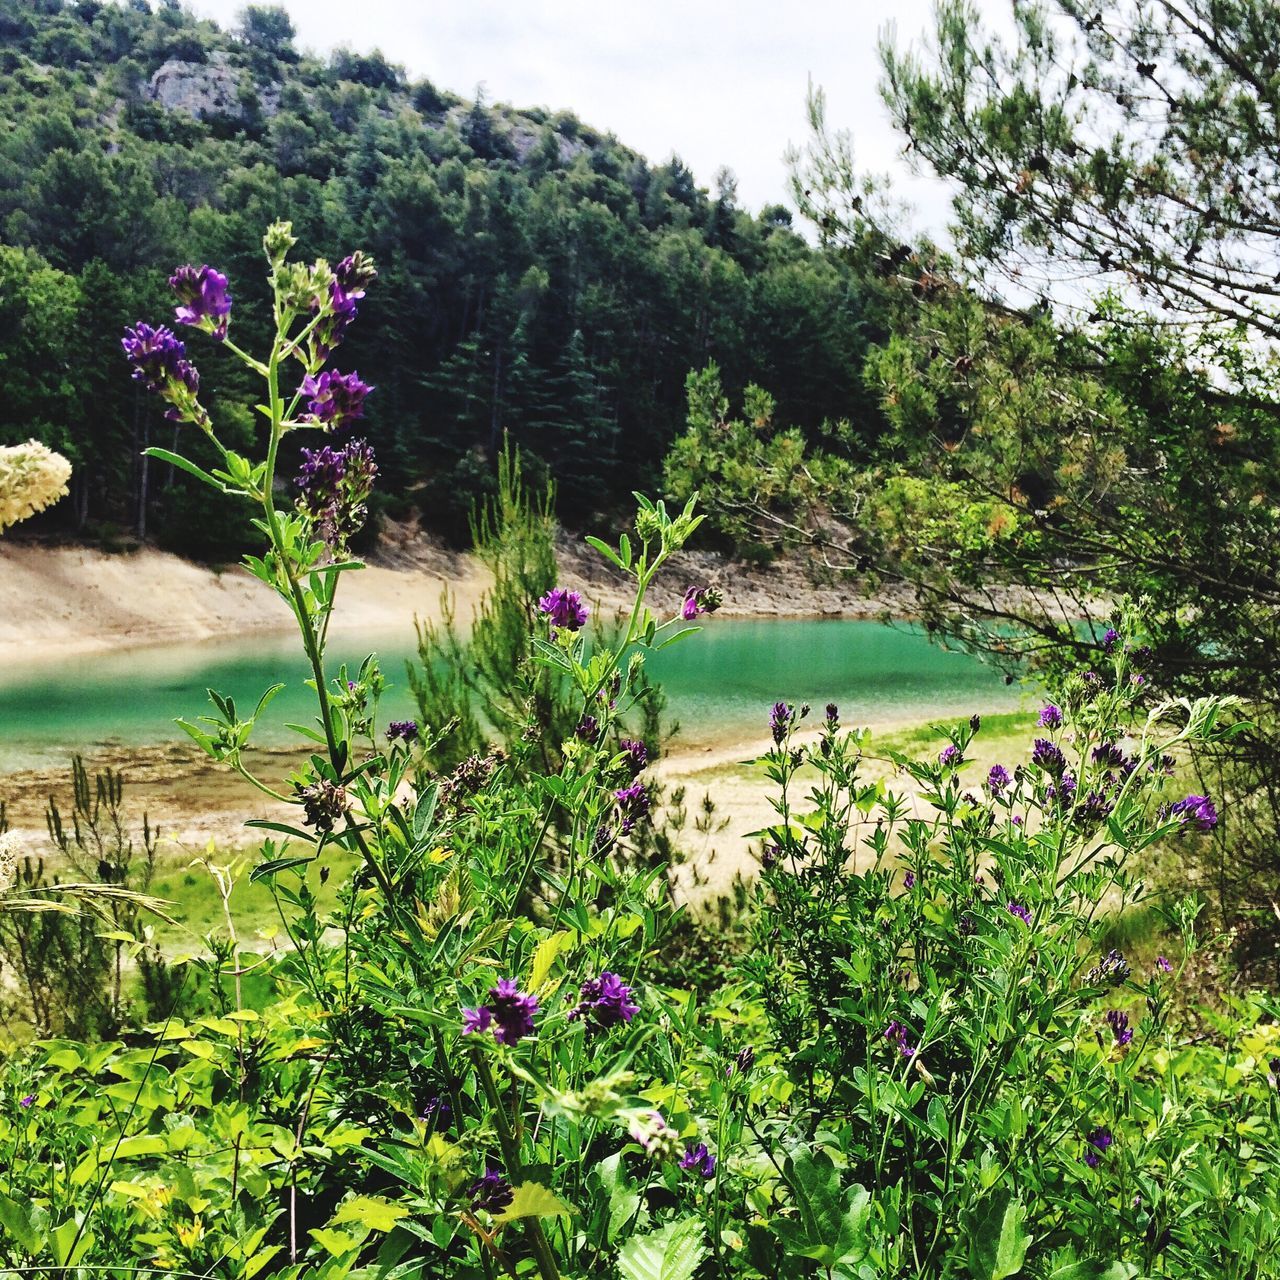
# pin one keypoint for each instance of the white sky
(718, 82)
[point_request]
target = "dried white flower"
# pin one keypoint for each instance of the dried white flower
(10, 851)
(32, 477)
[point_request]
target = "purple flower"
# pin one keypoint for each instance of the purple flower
(407, 730)
(28, 1101)
(637, 755)
(588, 729)
(1092, 682)
(1017, 909)
(700, 600)
(951, 757)
(337, 311)
(1100, 1139)
(896, 1034)
(780, 720)
(1112, 970)
(690, 609)
(513, 1012)
(1195, 811)
(633, 804)
(909, 880)
(833, 716)
(334, 399)
(564, 608)
(1050, 717)
(1063, 792)
(1048, 756)
(203, 299)
(1110, 638)
(998, 780)
(742, 1064)
(492, 1193)
(699, 1160)
(159, 362)
(1163, 965)
(1119, 1024)
(333, 486)
(476, 1021)
(1096, 808)
(509, 1014)
(1109, 755)
(606, 1002)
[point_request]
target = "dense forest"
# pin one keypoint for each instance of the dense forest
(537, 276)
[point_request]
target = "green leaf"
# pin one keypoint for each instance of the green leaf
(177, 460)
(832, 1224)
(370, 1211)
(533, 1200)
(673, 1252)
(544, 957)
(265, 870)
(999, 1245)
(16, 1220)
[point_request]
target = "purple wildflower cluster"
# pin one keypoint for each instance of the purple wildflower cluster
(564, 608)
(699, 1160)
(633, 805)
(742, 1064)
(1099, 1140)
(781, 718)
(998, 780)
(951, 757)
(898, 1036)
(699, 600)
(509, 1014)
(588, 729)
(1048, 756)
(159, 360)
(635, 755)
(1017, 909)
(606, 1002)
(1118, 1021)
(335, 312)
(333, 399)
(492, 1193)
(1197, 813)
(909, 880)
(1112, 970)
(402, 730)
(203, 300)
(333, 486)
(1050, 717)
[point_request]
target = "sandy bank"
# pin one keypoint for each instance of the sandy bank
(60, 601)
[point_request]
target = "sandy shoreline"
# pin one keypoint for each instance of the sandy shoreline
(64, 601)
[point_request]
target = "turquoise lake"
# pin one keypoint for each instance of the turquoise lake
(720, 683)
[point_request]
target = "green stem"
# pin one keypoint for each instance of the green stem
(511, 1158)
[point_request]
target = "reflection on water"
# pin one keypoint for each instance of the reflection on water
(719, 683)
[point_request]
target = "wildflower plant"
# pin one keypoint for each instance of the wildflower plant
(995, 1086)
(480, 991)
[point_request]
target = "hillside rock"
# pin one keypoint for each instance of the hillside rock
(204, 89)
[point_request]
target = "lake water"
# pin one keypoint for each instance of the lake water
(719, 683)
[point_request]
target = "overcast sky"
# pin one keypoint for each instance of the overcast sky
(718, 82)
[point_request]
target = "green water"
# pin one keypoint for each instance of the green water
(720, 682)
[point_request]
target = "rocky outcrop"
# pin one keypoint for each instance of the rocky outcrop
(204, 89)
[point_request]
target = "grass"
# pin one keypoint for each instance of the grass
(198, 903)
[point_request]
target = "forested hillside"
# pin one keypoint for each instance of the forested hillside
(537, 277)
